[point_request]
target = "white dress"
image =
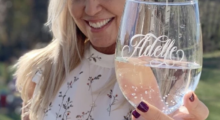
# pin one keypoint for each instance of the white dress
(79, 98)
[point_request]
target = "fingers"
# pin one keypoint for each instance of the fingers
(149, 112)
(140, 118)
(195, 107)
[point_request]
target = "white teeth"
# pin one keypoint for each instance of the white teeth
(99, 24)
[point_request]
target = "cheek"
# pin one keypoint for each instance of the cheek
(77, 13)
(118, 11)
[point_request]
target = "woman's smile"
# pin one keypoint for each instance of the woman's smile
(98, 20)
(99, 25)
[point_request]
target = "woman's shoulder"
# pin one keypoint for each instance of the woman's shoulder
(38, 75)
(31, 65)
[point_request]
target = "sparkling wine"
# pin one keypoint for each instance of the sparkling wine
(162, 86)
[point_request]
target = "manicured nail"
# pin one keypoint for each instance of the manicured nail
(136, 114)
(192, 98)
(143, 107)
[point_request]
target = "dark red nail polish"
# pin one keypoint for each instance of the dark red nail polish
(143, 107)
(136, 114)
(192, 98)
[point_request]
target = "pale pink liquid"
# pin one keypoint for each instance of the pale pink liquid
(138, 82)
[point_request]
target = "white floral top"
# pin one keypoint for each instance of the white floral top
(79, 97)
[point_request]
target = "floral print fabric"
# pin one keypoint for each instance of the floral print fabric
(82, 96)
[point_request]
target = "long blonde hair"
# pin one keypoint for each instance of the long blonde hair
(57, 59)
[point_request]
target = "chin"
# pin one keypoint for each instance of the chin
(103, 44)
(105, 47)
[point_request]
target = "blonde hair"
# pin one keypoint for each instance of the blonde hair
(62, 55)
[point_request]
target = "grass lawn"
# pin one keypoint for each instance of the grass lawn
(3, 117)
(209, 85)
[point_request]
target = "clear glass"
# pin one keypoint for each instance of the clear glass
(159, 52)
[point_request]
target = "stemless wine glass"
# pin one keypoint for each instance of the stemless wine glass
(159, 52)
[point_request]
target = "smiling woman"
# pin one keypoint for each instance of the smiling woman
(99, 20)
(48, 78)
(71, 79)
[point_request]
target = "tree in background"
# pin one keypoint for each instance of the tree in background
(23, 27)
(4, 5)
(210, 19)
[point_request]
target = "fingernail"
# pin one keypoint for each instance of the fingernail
(136, 114)
(143, 107)
(192, 98)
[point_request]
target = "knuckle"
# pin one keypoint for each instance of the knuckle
(201, 111)
(197, 107)
(158, 116)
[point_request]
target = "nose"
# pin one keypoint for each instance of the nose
(92, 7)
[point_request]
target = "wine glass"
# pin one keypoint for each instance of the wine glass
(159, 52)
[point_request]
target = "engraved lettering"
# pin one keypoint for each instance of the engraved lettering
(152, 46)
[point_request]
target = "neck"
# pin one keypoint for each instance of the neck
(106, 50)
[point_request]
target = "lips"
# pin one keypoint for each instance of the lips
(98, 24)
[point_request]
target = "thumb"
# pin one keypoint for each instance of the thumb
(195, 107)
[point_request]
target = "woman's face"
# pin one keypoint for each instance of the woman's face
(99, 20)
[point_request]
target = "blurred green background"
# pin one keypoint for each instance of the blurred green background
(21, 29)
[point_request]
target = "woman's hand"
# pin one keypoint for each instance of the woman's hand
(193, 109)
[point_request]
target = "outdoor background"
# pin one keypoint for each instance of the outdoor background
(21, 29)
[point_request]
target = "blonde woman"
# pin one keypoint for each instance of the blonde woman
(73, 77)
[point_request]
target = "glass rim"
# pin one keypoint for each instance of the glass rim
(165, 3)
